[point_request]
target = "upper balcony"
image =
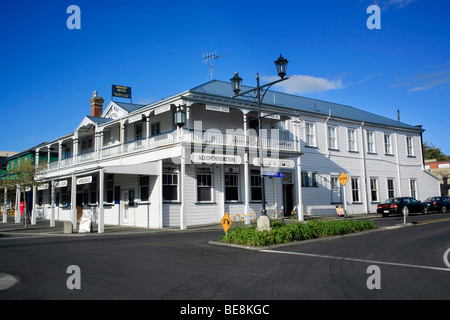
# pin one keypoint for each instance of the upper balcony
(208, 138)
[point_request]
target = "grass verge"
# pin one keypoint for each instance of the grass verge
(284, 233)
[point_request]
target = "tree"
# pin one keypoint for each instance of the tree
(25, 175)
(432, 152)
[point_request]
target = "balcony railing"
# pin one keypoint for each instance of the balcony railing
(187, 136)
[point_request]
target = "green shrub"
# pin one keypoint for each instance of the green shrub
(284, 233)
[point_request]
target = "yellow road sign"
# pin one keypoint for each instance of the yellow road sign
(226, 222)
(343, 178)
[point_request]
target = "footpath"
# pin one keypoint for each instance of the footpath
(42, 228)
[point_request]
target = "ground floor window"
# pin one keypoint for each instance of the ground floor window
(170, 186)
(355, 190)
(204, 185)
(413, 186)
(231, 187)
(143, 185)
(374, 189)
(255, 185)
(390, 187)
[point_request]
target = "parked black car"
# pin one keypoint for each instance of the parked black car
(396, 205)
(441, 204)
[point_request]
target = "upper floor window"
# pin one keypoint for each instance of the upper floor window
(409, 146)
(352, 146)
(387, 143)
(332, 137)
(310, 134)
(370, 142)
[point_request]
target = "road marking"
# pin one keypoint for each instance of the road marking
(356, 260)
(7, 281)
(432, 221)
(447, 263)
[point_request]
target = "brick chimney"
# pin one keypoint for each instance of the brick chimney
(96, 105)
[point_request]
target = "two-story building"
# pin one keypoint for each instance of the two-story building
(189, 158)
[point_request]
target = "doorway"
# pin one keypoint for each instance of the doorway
(127, 206)
(288, 199)
(79, 205)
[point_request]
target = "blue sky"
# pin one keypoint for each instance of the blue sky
(48, 72)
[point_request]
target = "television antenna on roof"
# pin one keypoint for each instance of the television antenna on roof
(210, 57)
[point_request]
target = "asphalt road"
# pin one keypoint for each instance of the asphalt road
(409, 264)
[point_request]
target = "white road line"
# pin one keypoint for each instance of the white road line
(356, 260)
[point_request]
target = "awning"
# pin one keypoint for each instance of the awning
(147, 168)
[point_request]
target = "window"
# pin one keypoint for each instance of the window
(309, 179)
(374, 189)
(231, 187)
(390, 187)
(370, 142)
(355, 189)
(138, 131)
(314, 179)
(109, 188)
(86, 145)
(65, 196)
(40, 197)
(255, 185)
(332, 138)
(93, 190)
(351, 139)
(204, 185)
(409, 147)
(170, 186)
(387, 144)
(143, 185)
(310, 134)
(413, 186)
(155, 128)
(305, 179)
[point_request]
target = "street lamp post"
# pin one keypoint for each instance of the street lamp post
(236, 83)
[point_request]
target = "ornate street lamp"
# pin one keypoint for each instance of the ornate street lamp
(236, 83)
(281, 64)
(180, 116)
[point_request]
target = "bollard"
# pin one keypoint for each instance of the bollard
(68, 227)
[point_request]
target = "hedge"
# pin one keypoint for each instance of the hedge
(284, 233)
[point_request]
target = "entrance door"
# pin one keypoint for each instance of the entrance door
(79, 205)
(335, 190)
(127, 206)
(288, 199)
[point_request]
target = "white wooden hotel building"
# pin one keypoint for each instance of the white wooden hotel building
(129, 164)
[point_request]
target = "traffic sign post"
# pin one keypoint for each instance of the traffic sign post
(226, 222)
(343, 178)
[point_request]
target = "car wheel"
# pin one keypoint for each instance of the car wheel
(444, 209)
(425, 210)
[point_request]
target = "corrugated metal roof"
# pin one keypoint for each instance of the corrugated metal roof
(302, 104)
(130, 107)
(99, 120)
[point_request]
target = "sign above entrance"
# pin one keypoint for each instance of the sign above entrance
(61, 184)
(84, 180)
(217, 108)
(215, 158)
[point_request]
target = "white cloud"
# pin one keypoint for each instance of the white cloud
(386, 4)
(301, 84)
(424, 81)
